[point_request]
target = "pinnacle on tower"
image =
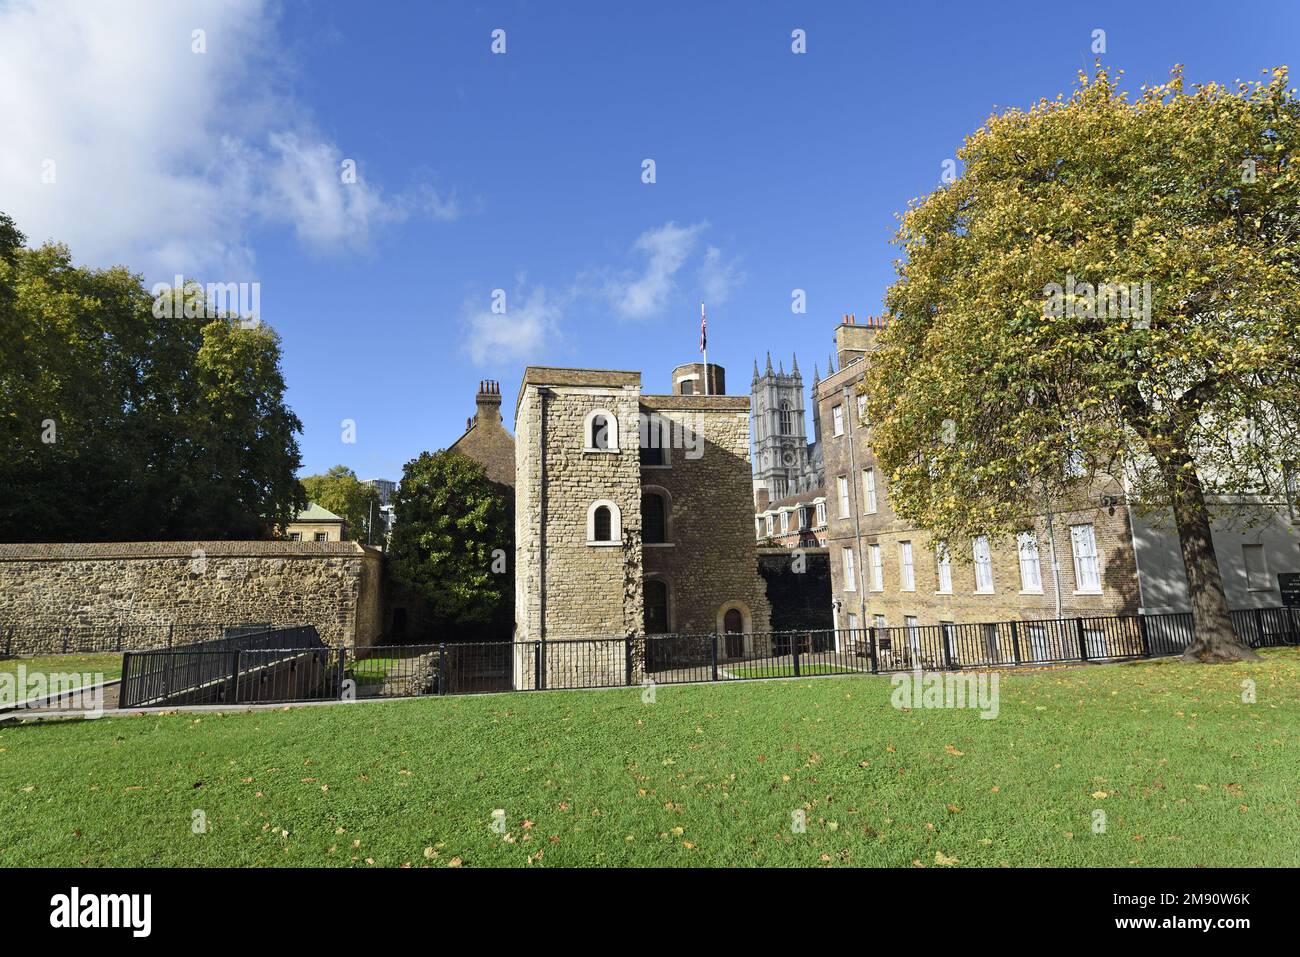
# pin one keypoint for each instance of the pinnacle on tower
(816, 375)
(769, 364)
(794, 369)
(756, 370)
(830, 365)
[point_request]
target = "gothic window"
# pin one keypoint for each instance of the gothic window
(688, 387)
(785, 418)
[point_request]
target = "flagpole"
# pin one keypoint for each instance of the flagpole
(704, 347)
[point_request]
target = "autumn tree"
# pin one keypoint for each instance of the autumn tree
(1110, 288)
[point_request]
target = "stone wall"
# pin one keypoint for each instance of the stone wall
(710, 559)
(144, 590)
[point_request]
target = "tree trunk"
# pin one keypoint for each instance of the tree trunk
(1214, 639)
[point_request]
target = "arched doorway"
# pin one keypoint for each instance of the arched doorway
(733, 627)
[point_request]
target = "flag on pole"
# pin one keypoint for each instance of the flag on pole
(704, 337)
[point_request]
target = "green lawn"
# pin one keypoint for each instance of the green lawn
(1186, 773)
(108, 665)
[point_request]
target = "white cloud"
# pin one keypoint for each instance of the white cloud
(166, 159)
(518, 333)
(666, 249)
(718, 277)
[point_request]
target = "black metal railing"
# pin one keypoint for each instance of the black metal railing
(291, 664)
(210, 672)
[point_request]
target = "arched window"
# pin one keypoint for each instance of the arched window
(656, 515)
(604, 523)
(656, 606)
(600, 431)
(785, 418)
(654, 519)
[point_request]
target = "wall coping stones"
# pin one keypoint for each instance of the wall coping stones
(90, 551)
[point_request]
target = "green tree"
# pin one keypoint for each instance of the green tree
(992, 389)
(340, 491)
(122, 422)
(451, 544)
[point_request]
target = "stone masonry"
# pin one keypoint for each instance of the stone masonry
(144, 587)
(569, 587)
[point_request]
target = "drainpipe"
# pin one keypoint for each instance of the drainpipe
(861, 563)
(542, 395)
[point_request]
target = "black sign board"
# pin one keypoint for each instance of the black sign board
(1289, 584)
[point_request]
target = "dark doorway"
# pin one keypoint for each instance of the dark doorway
(656, 607)
(733, 625)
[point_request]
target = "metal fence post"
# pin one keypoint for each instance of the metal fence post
(1259, 626)
(442, 668)
(713, 654)
(947, 647)
(1143, 636)
(341, 668)
(794, 645)
(1083, 644)
(1015, 641)
(537, 665)
(234, 678)
(627, 659)
(871, 646)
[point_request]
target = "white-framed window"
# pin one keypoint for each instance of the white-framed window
(862, 409)
(846, 557)
(1087, 568)
(878, 621)
(600, 431)
(853, 621)
(1256, 564)
(943, 567)
(785, 522)
(758, 528)
(604, 523)
(983, 565)
(770, 529)
(877, 568)
(842, 486)
(821, 513)
(1031, 571)
(869, 490)
(837, 420)
(321, 536)
(906, 571)
(295, 536)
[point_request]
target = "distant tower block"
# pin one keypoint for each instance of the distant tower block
(689, 379)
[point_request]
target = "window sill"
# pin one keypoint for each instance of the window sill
(602, 451)
(1033, 591)
(1087, 591)
(604, 544)
(942, 592)
(984, 591)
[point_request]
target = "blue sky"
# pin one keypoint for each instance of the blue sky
(522, 171)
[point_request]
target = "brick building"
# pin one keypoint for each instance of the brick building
(633, 515)
(485, 439)
(1088, 556)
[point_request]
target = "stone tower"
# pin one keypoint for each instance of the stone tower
(785, 463)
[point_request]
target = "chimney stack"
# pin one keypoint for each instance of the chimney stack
(488, 404)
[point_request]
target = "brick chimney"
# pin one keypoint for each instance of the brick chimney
(488, 404)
